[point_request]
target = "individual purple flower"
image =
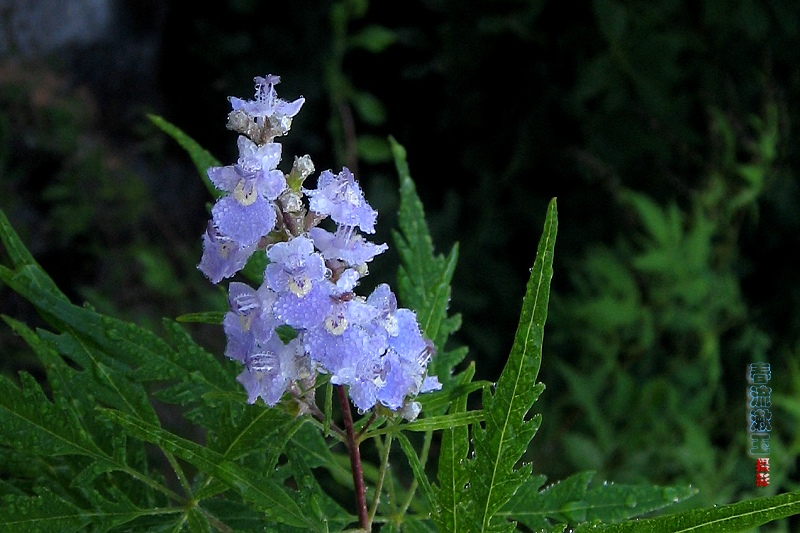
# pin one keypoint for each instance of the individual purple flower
(344, 338)
(247, 213)
(266, 105)
(346, 245)
(271, 367)
(407, 354)
(254, 172)
(322, 301)
(307, 311)
(399, 379)
(294, 266)
(250, 319)
(222, 256)
(364, 378)
(341, 198)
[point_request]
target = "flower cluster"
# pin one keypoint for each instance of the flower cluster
(367, 344)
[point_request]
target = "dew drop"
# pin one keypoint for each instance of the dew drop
(670, 494)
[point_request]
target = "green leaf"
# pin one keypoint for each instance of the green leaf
(207, 317)
(370, 109)
(423, 276)
(727, 518)
(197, 521)
(22, 260)
(418, 470)
(656, 220)
(32, 423)
(441, 399)
(42, 513)
(201, 158)
(259, 430)
(434, 423)
(254, 269)
(613, 502)
(571, 501)
(76, 393)
(374, 38)
(507, 433)
(373, 149)
(452, 475)
(270, 497)
(325, 508)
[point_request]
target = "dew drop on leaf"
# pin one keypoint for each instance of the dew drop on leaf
(670, 494)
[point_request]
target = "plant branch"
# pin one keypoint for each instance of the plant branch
(355, 459)
(381, 477)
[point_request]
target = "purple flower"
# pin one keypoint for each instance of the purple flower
(341, 198)
(400, 378)
(370, 346)
(307, 311)
(250, 320)
(247, 213)
(266, 106)
(222, 256)
(344, 337)
(364, 379)
(407, 353)
(345, 245)
(270, 368)
(294, 266)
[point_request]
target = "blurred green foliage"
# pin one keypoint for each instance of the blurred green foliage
(665, 129)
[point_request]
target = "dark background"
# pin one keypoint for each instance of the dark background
(501, 106)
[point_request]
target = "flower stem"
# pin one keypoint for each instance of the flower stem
(381, 476)
(355, 460)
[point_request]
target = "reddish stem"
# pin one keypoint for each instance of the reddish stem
(355, 459)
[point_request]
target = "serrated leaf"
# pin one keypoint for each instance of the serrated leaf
(436, 423)
(571, 501)
(441, 399)
(108, 382)
(415, 525)
(507, 433)
(724, 519)
(270, 497)
(326, 509)
(76, 393)
(201, 158)
(32, 423)
(613, 502)
(258, 430)
(21, 258)
(43, 513)
(150, 357)
(418, 470)
(423, 277)
(452, 456)
(197, 521)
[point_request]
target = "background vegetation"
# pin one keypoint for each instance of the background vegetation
(665, 128)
